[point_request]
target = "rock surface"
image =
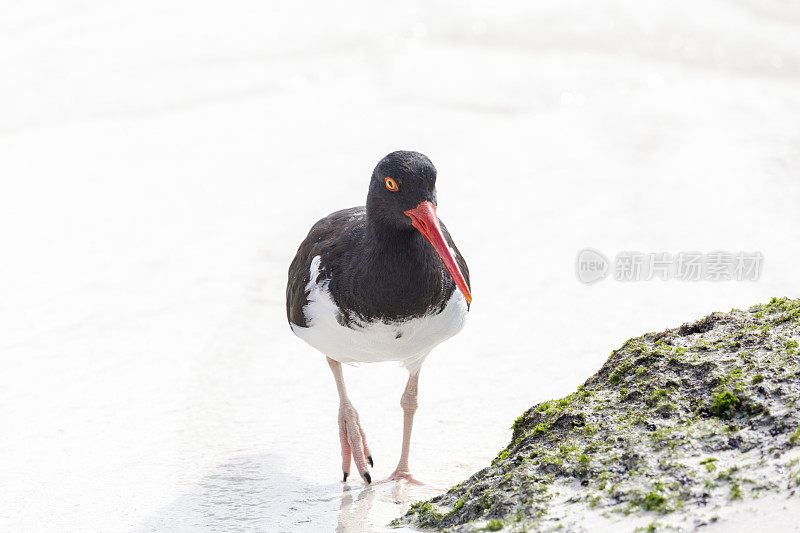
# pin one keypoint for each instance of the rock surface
(676, 427)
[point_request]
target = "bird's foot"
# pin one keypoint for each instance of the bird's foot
(402, 482)
(354, 443)
(405, 476)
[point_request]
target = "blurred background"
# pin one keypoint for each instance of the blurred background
(161, 161)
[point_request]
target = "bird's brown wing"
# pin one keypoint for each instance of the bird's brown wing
(322, 236)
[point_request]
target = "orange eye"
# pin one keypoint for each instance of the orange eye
(391, 184)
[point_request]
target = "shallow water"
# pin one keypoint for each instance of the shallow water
(161, 162)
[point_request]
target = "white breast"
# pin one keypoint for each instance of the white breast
(407, 341)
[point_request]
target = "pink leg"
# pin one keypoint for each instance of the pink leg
(408, 401)
(351, 436)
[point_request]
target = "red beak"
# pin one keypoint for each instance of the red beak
(424, 218)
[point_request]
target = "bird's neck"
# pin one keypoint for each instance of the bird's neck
(389, 242)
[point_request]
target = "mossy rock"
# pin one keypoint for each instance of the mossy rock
(674, 425)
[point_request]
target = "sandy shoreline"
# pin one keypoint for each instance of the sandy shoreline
(158, 161)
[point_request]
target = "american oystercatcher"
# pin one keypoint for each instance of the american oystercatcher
(383, 282)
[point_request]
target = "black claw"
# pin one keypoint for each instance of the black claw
(369, 460)
(368, 477)
(344, 478)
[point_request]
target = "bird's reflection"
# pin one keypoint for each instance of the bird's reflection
(353, 513)
(400, 491)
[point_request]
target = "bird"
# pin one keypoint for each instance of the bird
(380, 282)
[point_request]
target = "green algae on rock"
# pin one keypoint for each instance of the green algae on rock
(675, 426)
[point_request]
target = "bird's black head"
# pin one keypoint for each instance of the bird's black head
(402, 196)
(401, 181)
